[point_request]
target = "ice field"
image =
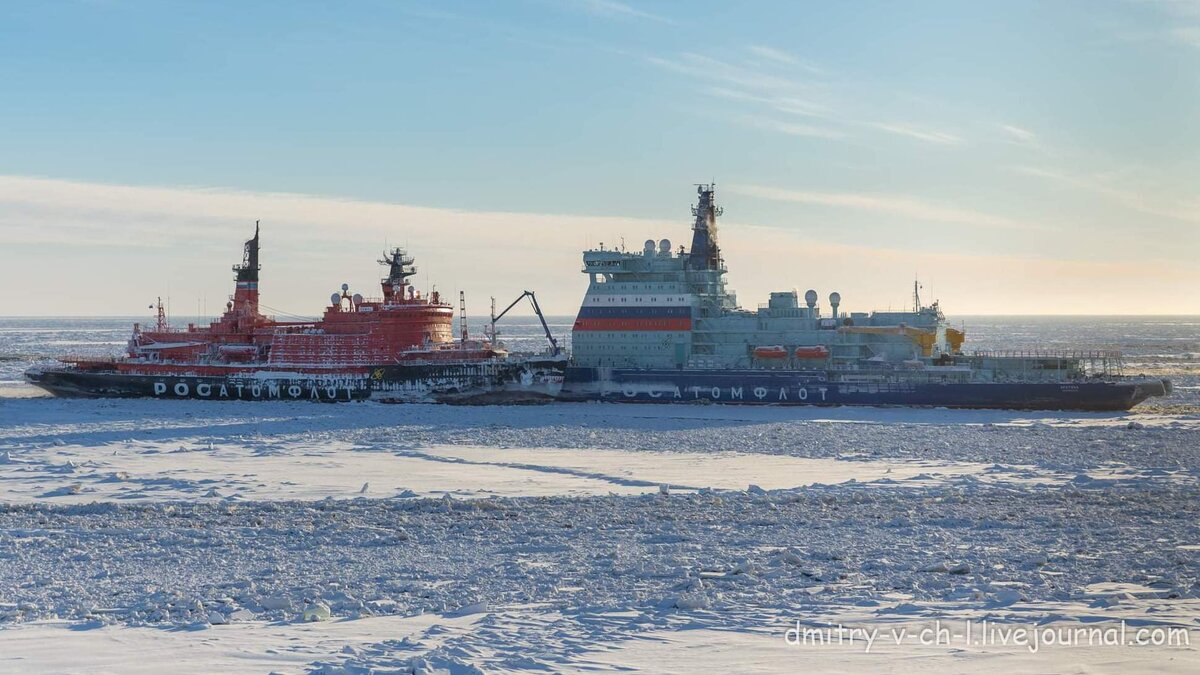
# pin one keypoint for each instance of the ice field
(301, 537)
(584, 536)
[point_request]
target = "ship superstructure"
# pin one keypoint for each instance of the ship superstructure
(397, 347)
(660, 325)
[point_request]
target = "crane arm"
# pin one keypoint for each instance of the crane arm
(537, 310)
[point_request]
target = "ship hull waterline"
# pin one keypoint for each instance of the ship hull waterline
(756, 387)
(465, 384)
(434, 384)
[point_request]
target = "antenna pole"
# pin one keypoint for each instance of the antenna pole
(462, 308)
(162, 316)
(492, 336)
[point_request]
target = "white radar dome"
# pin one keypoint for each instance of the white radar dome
(664, 246)
(335, 299)
(810, 297)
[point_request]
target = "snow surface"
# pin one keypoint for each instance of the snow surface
(198, 535)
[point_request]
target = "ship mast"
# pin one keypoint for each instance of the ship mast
(705, 254)
(161, 325)
(245, 294)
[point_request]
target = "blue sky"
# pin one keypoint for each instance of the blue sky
(1001, 151)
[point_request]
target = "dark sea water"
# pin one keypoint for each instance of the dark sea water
(1162, 346)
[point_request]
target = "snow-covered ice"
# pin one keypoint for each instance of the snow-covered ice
(203, 535)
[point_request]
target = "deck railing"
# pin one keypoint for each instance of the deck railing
(1062, 354)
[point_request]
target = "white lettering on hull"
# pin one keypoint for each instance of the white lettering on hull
(815, 395)
(313, 390)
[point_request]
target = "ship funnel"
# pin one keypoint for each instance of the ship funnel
(810, 298)
(835, 299)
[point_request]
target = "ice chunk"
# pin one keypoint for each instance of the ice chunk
(241, 615)
(473, 608)
(1006, 597)
(317, 611)
(275, 602)
(689, 601)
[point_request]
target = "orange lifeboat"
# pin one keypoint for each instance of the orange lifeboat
(812, 352)
(773, 352)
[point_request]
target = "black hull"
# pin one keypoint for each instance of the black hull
(756, 387)
(469, 383)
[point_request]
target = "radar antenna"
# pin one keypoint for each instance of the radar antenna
(400, 268)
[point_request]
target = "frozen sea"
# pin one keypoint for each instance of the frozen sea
(207, 536)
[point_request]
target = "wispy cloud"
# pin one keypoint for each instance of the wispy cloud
(1019, 135)
(897, 205)
(1025, 138)
(809, 97)
(785, 104)
(781, 57)
(789, 128)
(772, 54)
(742, 76)
(1180, 24)
(1187, 9)
(1124, 195)
(612, 8)
(1188, 35)
(927, 135)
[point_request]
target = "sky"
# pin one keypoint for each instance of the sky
(1016, 157)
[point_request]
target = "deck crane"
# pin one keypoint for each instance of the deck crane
(554, 348)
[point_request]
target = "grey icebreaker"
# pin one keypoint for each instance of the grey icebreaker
(659, 325)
